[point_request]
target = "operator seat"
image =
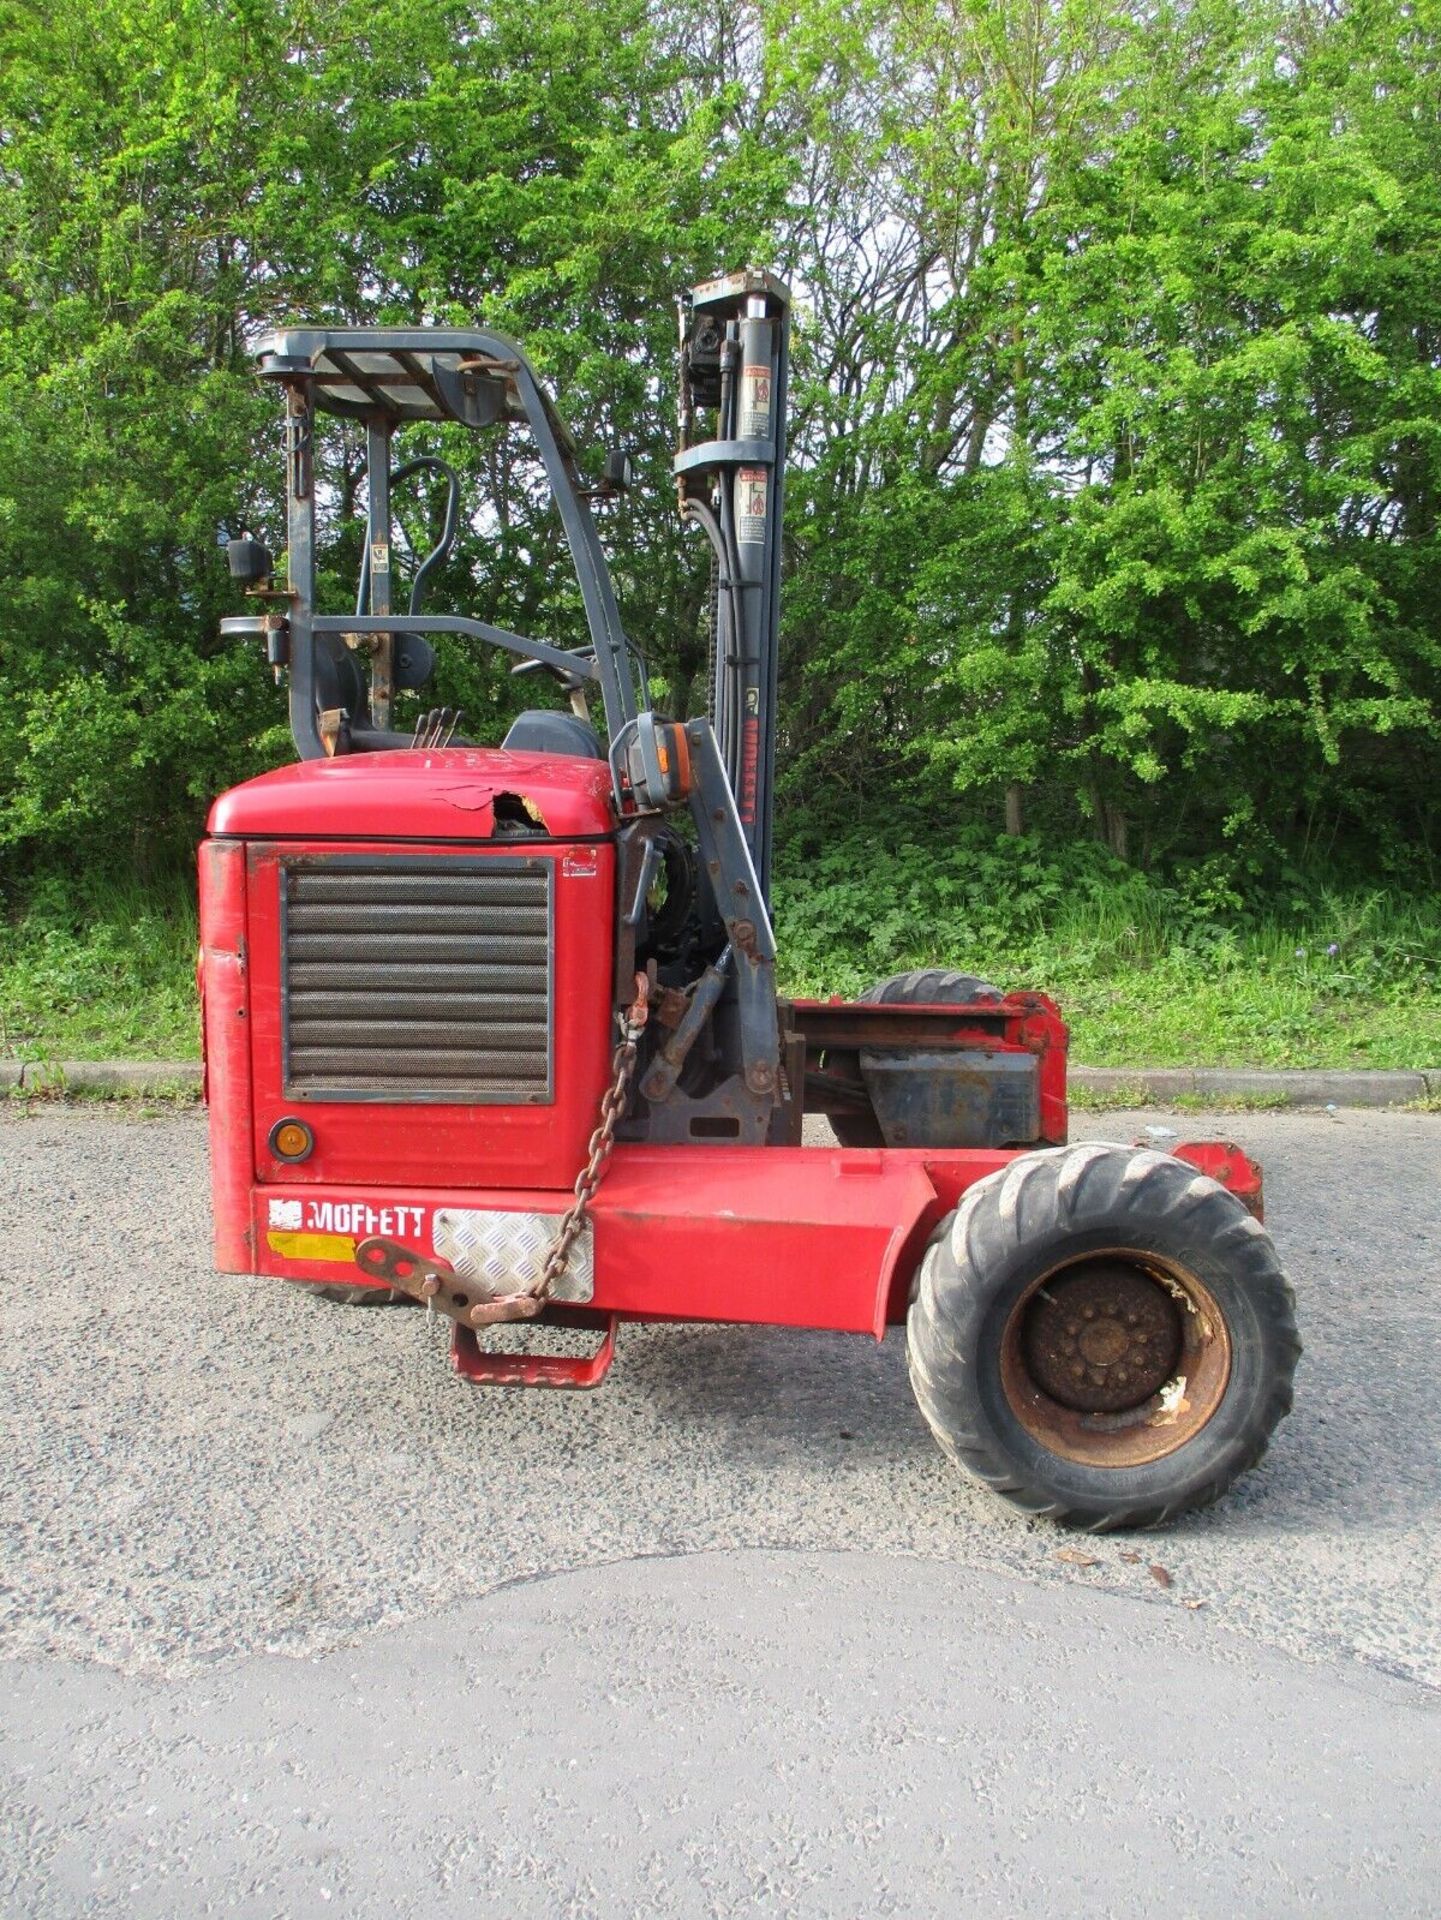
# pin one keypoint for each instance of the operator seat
(543, 730)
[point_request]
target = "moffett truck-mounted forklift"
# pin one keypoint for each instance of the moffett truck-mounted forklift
(496, 1029)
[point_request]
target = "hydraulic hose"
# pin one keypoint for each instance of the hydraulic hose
(728, 582)
(440, 552)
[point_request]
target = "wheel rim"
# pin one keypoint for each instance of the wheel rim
(1115, 1359)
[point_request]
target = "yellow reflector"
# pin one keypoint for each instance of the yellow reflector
(312, 1246)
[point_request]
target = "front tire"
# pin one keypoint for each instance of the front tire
(1103, 1336)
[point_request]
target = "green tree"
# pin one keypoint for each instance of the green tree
(178, 175)
(1117, 419)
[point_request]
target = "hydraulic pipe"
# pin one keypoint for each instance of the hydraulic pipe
(736, 479)
(659, 1082)
(377, 536)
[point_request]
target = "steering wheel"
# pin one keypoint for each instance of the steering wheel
(572, 682)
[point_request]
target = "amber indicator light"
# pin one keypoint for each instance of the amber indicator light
(291, 1140)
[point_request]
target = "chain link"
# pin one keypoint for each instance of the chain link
(602, 1141)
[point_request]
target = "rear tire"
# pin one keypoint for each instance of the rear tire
(924, 987)
(1103, 1337)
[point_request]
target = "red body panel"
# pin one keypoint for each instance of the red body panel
(784, 1236)
(225, 1028)
(792, 1236)
(445, 795)
(1224, 1161)
(432, 803)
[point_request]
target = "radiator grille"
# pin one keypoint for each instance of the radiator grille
(417, 979)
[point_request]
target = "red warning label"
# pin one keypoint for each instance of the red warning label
(750, 763)
(755, 420)
(752, 489)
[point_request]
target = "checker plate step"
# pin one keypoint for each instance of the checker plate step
(505, 1253)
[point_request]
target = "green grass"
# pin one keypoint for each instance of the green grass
(150, 1102)
(1260, 1006)
(1205, 971)
(1176, 1011)
(1126, 1098)
(100, 969)
(1147, 974)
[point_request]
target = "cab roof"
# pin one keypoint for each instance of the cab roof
(401, 373)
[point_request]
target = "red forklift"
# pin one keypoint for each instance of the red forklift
(496, 1028)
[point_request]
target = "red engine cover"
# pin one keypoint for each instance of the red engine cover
(449, 794)
(356, 949)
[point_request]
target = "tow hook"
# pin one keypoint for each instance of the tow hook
(436, 1284)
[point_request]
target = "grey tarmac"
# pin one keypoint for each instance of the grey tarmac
(292, 1621)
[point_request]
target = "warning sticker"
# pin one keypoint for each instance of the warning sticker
(379, 557)
(755, 421)
(752, 484)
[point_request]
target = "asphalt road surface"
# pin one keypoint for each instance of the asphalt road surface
(292, 1621)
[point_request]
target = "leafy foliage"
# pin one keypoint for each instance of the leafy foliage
(179, 174)
(1118, 426)
(1135, 521)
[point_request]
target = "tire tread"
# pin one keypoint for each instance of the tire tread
(1074, 1187)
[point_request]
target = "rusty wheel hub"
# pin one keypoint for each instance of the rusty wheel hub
(1101, 1338)
(1116, 1359)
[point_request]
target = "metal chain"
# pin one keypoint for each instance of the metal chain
(602, 1141)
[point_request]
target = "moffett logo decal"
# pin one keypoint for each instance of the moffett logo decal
(352, 1217)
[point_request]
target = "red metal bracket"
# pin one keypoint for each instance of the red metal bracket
(1226, 1162)
(488, 1369)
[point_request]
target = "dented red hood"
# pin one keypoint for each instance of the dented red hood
(444, 793)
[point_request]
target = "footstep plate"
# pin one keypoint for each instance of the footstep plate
(506, 1252)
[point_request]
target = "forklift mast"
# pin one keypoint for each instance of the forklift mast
(735, 352)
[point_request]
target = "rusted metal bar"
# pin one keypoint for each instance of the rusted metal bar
(435, 1283)
(851, 1025)
(659, 1082)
